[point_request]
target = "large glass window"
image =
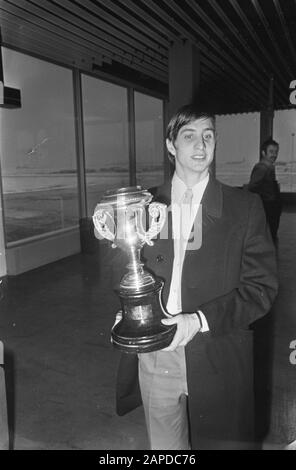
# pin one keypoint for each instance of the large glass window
(37, 147)
(105, 118)
(284, 132)
(149, 140)
(237, 148)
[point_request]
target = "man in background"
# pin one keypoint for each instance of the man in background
(263, 182)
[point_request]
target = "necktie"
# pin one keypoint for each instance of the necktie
(186, 207)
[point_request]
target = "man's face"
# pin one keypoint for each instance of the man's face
(194, 147)
(271, 153)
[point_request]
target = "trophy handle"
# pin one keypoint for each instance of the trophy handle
(99, 219)
(157, 210)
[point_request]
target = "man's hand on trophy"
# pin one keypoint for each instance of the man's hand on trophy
(188, 324)
(118, 317)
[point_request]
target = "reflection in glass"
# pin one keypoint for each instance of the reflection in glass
(37, 149)
(105, 119)
(284, 132)
(149, 140)
(237, 148)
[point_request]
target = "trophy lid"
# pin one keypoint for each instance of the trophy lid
(126, 196)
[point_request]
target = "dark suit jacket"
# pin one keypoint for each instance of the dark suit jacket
(232, 279)
(263, 182)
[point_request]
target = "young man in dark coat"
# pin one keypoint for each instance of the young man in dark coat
(198, 392)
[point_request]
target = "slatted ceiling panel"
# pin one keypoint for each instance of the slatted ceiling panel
(206, 51)
(208, 42)
(151, 14)
(30, 21)
(242, 42)
(156, 47)
(252, 34)
(89, 22)
(207, 65)
(144, 21)
(159, 11)
(263, 72)
(258, 43)
(135, 24)
(47, 11)
(249, 47)
(285, 28)
(287, 34)
(54, 54)
(271, 39)
(46, 40)
(35, 15)
(209, 48)
(243, 59)
(236, 38)
(275, 40)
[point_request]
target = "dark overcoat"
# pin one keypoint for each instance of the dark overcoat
(232, 279)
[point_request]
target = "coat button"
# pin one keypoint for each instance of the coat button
(159, 258)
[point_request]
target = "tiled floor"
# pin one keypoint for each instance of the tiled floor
(59, 362)
(61, 367)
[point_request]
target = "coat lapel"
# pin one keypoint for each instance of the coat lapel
(209, 211)
(211, 204)
(210, 208)
(163, 194)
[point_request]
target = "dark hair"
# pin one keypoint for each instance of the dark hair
(266, 144)
(183, 116)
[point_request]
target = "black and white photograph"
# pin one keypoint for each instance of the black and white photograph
(147, 228)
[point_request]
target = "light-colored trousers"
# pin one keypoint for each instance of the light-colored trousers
(162, 377)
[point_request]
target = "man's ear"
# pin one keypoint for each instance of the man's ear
(171, 147)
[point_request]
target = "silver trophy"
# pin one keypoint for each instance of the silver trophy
(120, 217)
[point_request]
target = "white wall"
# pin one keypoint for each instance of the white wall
(31, 255)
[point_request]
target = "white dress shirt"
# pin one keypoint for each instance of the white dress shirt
(162, 374)
(174, 304)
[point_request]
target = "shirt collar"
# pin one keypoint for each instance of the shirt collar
(179, 188)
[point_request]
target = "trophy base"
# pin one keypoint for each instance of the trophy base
(144, 344)
(141, 329)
